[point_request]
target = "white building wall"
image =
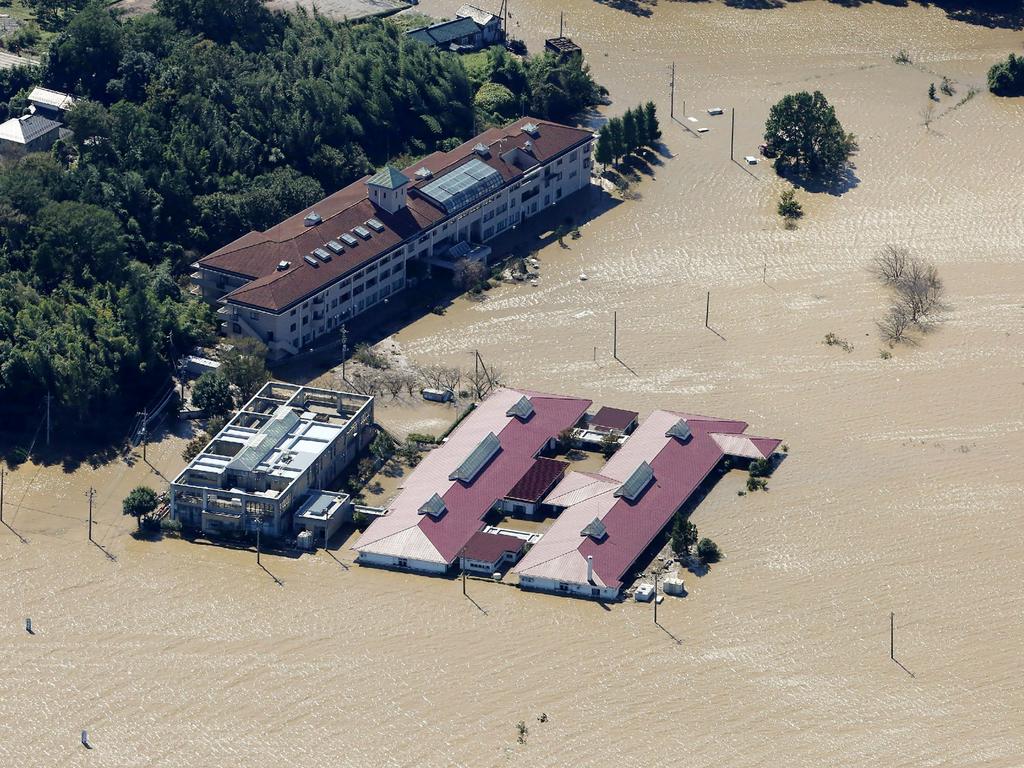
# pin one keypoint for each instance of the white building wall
(388, 561)
(568, 588)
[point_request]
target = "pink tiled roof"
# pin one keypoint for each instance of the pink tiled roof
(679, 469)
(466, 504)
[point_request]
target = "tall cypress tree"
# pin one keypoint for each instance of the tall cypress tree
(615, 133)
(651, 118)
(630, 137)
(603, 153)
(642, 137)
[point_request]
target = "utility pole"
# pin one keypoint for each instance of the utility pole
(672, 94)
(764, 277)
(732, 135)
(90, 494)
(615, 335)
(561, 22)
(145, 422)
(655, 597)
(462, 562)
(344, 350)
(707, 311)
(2, 473)
(892, 636)
(259, 527)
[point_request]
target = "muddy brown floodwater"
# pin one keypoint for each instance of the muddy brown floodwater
(901, 492)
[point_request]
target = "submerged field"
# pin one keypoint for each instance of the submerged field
(901, 491)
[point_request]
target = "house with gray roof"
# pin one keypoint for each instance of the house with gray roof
(470, 30)
(28, 133)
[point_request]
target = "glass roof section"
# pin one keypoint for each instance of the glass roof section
(681, 430)
(476, 461)
(595, 529)
(434, 506)
(522, 410)
(270, 434)
(636, 483)
(463, 186)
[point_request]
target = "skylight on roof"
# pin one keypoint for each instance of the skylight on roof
(633, 488)
(434, 506)
(681, 430)
(463, 186)
(348, 240)
(335, 246)
(310, 260)
(362, 231)
(375, 225)
(595, 529)
(322, 253)
(522, 410)
(477, 460)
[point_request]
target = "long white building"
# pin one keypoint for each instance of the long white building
(347, 253)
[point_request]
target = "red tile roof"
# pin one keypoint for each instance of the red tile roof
(520, 443)
(488, 547)
(257, 254)
(538, 480)
(613, 418)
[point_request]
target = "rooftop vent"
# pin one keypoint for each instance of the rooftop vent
(311, 260)
(348, 240)
(283, 265)
(362, 231)
(681, 430)
(476, 460)
(636, 483)
(482, 149)
(532, 129)
(522, 410)
(434, 506)
(424, 173)
(322, 254)
(528, 146)
(335, 246)
(595, 529)
(312, 219)
(375, 225)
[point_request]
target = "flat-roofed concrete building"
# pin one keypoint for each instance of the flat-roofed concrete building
(271, 459)
(303, 278)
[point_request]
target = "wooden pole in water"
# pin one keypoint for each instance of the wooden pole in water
(2, 488)
(615, 335)
(90, 494)
(462, 562)
(259, 527)
(892, 636)
(707, 311)
(655, 597)
(672, 94)
(732, 135)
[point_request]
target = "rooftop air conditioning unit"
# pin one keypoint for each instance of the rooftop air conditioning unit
(528, 146)
(532, 129)
(312, 219)
(482, 150)
(424, 173)
(283, 265)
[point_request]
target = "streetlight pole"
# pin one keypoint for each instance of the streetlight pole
(2, 494)
(655, 597)
(90, 494)
(462, 562)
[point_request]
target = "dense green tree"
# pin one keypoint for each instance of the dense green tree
(642, 139)
(653, 130)
(245, 366)
(212, 394)
(1007, 77)
(708, 551)
(495, 103)
(139, 503)
(630, 137)
(221, 20)
(617, 138)
(85, 56)
(804, 133)
(603, 151)
(684, 536)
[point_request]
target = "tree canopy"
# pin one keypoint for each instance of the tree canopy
(1007, 77)
(139, 503)
(805, 135)
(196, 124)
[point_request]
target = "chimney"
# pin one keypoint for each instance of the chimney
(590, 568)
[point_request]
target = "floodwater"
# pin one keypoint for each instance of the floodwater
(901, 492)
